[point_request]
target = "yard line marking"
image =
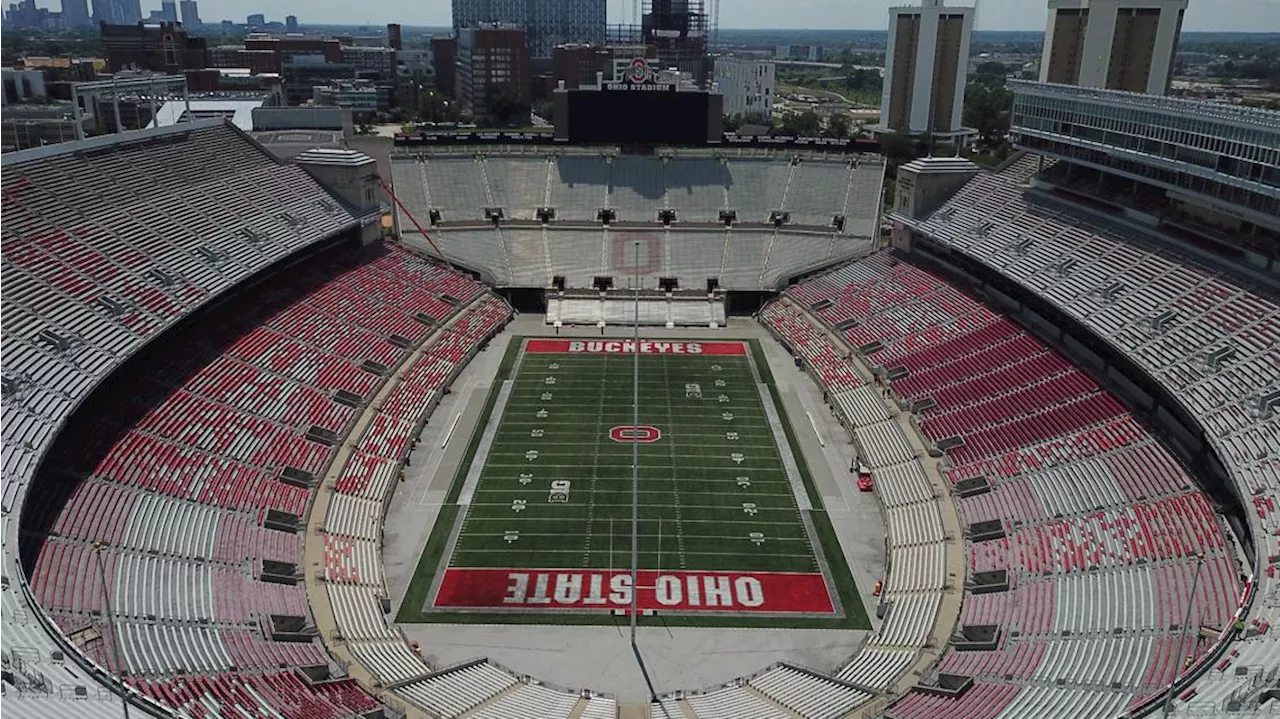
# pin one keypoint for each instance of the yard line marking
(595, 464)
(675, 480)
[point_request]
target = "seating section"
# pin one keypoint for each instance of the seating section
(254, 696)
(167, 507)
(1101, 535)
(656, 310)
(457, 189)
(103, 248)
(353, 567)
(779, 692)
(481, 690)
(912, 593)
(811, 187)
(1207, 339)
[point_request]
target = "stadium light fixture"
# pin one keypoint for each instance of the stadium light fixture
(111, 626)
(635, 455)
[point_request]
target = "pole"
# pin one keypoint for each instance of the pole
(635, 459)
(111, 625)
(1182, 637)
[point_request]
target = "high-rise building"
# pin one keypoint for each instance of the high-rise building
(577, 64)
(547, 23)
(395, 38)
(444, 54)
(492, 62)
(190, 14)
(925, 66)
(291, 23)
(169, 10)
(75, 13)
(163, 48)
(679, 29)
(746, 85)
(1112, 44)
(117, 12)
(256, 20)
(130, 11)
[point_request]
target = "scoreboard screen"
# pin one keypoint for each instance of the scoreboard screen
(638, 115)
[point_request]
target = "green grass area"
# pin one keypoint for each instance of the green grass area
(701, 507)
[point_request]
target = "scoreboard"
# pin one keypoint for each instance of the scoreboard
(636, 110)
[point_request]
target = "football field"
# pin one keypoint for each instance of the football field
(544, 519)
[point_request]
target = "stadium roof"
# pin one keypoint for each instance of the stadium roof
(333, 156)
(1251, 116)
(240, 112)
(12, 159)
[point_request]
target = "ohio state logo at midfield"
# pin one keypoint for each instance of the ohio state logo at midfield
(645, 434)
(599, 589)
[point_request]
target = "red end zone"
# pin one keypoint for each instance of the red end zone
(559, 589)
(647, 347)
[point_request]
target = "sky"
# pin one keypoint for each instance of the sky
(1213, 15)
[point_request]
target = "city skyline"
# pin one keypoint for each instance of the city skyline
(1202, 15)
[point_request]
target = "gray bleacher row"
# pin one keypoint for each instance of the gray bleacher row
(480, 689)
(781, 692)
(812, 190)
(916, 537)
(1099, 604)
(739, 259)
(159, 205)
(1159, 308)
(660, 312)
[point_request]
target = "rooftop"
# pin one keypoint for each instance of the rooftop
(1252, 116)
(239, 111)
(333, 156)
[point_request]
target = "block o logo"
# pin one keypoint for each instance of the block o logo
(645, 434)
(638, 72)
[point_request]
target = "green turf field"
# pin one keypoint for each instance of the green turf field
(715, 495)
(699, 509)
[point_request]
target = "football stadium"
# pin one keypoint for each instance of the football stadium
(507, 428)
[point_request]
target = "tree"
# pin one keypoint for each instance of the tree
(990, 74)
(864, 81)
(545, 109)
(898, 148)
(987, 109)
(504, 107)
(838, 126)
(435, 107)
(804, 124)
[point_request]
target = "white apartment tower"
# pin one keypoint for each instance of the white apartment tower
(1112, 44)
(746, 85)
(925, 67)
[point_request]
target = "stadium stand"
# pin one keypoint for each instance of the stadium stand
(1111, 501)
(104, 247)
(208, 454)
(1207, 339)
(691, 309)
(479, 207)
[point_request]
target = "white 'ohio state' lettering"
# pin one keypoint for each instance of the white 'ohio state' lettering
(670, 590)
(629, 347)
